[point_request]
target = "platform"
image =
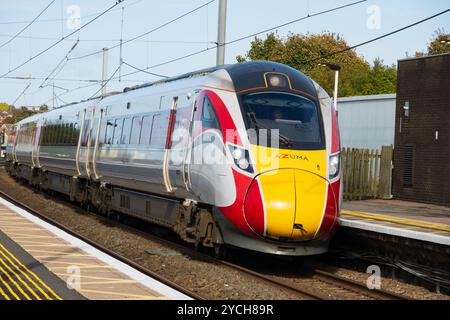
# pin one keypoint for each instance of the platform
(41, 262)
(424, 222)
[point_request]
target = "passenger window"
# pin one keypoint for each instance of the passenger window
(146, 130)
(159, 131)
(117, 131)
(126, 131)
(49, 134)
(109, 131)
(136, 130)
(209, 119)
(87, 127)
(66, 134)
(60, 134)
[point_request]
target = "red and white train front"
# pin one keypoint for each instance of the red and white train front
(280, 130)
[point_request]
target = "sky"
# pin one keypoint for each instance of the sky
(192, 33)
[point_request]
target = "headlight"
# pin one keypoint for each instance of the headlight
(241, 158)
(334, 166)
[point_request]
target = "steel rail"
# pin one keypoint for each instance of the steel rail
(98, 246)
(309, 294)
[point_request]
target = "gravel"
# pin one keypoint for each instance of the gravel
(209, 280)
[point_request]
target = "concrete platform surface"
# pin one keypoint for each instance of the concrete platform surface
(41, 262)
(425, 222)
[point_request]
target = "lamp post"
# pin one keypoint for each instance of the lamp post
(336, 68)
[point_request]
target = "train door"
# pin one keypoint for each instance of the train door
(36, 145)
(85, 141)
(92, 134)
(168, 146)
(16, 144)
(189, 146)
(95, 140)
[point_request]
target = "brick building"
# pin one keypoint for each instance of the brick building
(422, 130)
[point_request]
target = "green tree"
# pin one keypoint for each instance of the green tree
(381, 79)
(304, 52)
(4, 106)
(440, 43)
(43, 108)
(19, 114)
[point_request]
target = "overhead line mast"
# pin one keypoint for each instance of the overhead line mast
(221, 33)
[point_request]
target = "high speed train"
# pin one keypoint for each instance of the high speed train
(244, 155)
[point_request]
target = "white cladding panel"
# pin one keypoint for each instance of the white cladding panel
(367, 121)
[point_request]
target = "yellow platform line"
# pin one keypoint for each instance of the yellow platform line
(16, 224)
(56, 252)
(32, 273)
(4, 295)
(37, 245)
(63, 256)
(29, 236)
(123, 294)
(108, 282)
(409, 222)
(83, 267)
(15, 284)
(8, 287)
(89, 277)
(14, 229)
(68, 263)
(20, 278)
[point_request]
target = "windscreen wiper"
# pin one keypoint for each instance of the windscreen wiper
(284, 140)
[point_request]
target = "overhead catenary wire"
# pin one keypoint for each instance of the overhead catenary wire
(144, 71)
(72, 90)
(121, 44)
(307, 61)
(378, 38)
(108, 40)
(62, 19)
(27, 26)
(250, 35)
(315, 59)
(146, 33)
(63, 79)
(64, 60)
(21, 94)
(62, 39)
(107, 81)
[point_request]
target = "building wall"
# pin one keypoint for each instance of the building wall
(425, 83)
(367, 121)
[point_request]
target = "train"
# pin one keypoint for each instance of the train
(244, 155)
(2, 147)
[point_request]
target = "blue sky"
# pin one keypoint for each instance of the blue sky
(192, 33)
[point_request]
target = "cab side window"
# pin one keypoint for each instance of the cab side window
(209, 117)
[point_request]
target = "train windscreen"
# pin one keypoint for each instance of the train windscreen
(283, 120)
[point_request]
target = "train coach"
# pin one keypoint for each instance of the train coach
(246, 155)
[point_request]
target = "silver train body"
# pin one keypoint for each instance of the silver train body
(132, 153)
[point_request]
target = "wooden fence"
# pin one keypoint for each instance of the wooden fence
(367, 173)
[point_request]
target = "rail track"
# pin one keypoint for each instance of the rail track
(330, 286)
(100, 247)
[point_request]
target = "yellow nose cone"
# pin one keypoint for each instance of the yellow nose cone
(294, 203)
